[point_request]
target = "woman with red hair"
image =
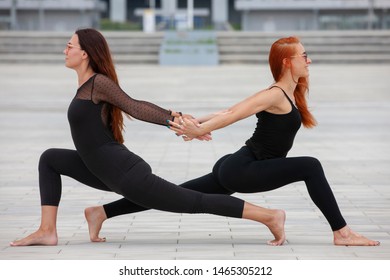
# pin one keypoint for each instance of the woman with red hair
(262, 163)
(103, 162)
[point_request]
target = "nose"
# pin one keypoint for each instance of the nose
(309, 60)
(66, 50)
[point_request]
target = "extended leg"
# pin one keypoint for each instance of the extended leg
(205, 184)
(96, 215)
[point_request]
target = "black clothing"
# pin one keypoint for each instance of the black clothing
(274, 134)
(88, 112)
(260, 167)
(105, 164)
(242, 172)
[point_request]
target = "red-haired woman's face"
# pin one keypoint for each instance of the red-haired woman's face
(74, 55)
(300, 62)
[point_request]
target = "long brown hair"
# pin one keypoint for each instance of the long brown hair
(100, 60)
(285, 48)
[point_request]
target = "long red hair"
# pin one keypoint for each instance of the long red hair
(285, 48)
(100, 60)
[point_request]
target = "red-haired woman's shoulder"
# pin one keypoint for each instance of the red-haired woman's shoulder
(275, 92)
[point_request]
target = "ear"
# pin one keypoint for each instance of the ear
(84, 55)
(286, 62)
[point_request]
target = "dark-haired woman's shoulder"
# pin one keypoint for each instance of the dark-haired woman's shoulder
(104, 81)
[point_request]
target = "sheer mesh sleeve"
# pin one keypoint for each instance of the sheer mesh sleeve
(104, 89)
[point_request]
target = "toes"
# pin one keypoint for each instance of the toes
(98, 239)
(275, 242)
(376, 243)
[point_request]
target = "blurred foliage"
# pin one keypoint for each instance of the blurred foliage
(106, 24)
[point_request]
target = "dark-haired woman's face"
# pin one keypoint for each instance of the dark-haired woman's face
(74, 55)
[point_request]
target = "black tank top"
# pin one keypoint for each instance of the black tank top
(274, 134)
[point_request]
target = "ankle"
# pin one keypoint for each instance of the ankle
(343, 232)
(102, 213)
(96, 212)
(47, 229)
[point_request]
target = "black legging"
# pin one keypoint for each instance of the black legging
(139, 185)
(242, 172)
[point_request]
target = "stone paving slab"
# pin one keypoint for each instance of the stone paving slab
(351, 103)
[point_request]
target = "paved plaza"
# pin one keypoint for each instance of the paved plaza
(352, 140)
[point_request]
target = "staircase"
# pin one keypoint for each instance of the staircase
(47, 47)
(321, 46)
(234, 47)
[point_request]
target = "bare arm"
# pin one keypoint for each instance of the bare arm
(258, 102)
(210, 116)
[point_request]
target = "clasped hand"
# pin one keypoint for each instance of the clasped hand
(188, 128)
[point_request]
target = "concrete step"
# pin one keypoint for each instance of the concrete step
(234, 47)
(309, 48)
(317, 58)
(59, 58)
(58, 49)
(47, 47)
(323, 47)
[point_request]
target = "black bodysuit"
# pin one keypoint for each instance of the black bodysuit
(261, 165)
(101, 162)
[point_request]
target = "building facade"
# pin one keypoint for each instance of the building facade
(265, 15)
(248, 15)
(273, 15)
(170, 14)
(50, 15)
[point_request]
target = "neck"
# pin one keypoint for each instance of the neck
(288, 83)
(287, 87)
(84, 74)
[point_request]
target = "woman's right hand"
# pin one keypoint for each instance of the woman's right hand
(189, 129)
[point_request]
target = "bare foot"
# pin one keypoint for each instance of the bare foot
(347, 237)
(276, 226)
(95, 217)
(40, 237)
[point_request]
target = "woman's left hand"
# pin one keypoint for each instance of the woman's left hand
(189, 129)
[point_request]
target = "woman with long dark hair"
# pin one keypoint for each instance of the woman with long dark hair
(103, 162)
(262, 163)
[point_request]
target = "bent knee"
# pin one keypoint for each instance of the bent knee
(48, 154)
(49, 157)
(313, 163)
